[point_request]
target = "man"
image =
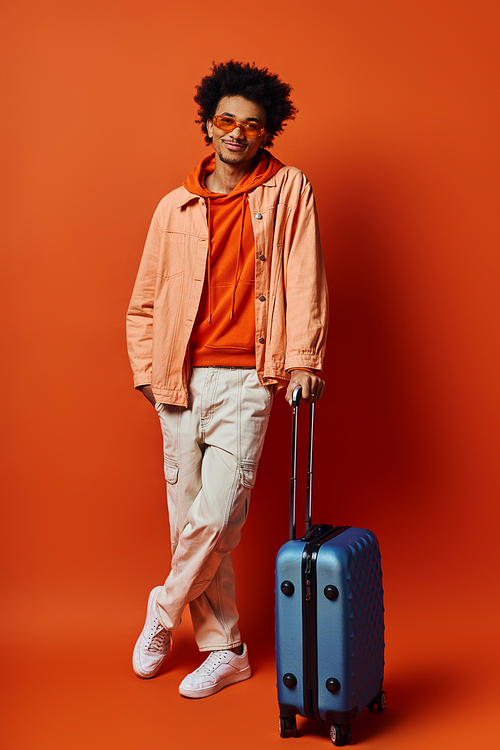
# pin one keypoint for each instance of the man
(229, 306)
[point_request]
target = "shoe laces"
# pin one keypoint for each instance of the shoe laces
(213, 660)
(157, 637)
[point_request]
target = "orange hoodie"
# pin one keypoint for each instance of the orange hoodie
(224, 329)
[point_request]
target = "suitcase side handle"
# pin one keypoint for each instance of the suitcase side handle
(296, 396)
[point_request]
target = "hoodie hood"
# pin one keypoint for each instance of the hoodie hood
(265, 167)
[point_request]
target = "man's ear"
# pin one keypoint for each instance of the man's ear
(210, 128)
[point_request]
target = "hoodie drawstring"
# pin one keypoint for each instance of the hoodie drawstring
(209, 264)
(236, 279)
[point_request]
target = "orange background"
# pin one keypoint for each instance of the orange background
(398, 131)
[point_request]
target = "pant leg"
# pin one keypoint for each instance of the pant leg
(214, 613)
(232, 411)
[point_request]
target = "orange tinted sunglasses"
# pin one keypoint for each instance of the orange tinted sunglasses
(227, 124)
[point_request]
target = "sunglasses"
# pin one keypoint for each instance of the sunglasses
(227, 124)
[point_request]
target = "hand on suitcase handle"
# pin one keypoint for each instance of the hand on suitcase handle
(311, 385)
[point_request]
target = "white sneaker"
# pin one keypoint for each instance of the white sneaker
(153, 643)
(220, 668)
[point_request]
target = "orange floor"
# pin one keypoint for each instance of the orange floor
(82, 694)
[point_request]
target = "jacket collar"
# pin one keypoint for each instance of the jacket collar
(186, 197)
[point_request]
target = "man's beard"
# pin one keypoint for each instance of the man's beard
(230, 159)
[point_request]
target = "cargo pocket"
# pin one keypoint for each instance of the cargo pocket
(171, 468)
(248, 473)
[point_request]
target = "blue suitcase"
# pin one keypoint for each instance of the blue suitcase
(329, 618)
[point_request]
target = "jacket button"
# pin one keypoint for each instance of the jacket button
(261, 341)
(264, 380)
(258, 216)
(262, 257)
(262, 298)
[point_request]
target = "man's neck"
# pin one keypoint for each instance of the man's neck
(225, 177)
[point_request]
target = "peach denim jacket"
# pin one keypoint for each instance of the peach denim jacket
(291, 296)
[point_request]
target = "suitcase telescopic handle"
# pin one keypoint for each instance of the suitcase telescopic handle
(296, 396)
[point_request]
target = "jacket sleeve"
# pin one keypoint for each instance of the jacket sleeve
(306, 288)
(140, 310)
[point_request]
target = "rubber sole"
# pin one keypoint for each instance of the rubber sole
(230, 679)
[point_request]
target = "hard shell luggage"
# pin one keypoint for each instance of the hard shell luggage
(329, 618)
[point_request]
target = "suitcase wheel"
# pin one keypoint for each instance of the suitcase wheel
(288, 724)
(340, 735)
(379, 702)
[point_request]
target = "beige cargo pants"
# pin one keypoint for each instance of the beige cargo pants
(211, 453)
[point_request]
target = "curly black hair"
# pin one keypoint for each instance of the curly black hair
(255, 84)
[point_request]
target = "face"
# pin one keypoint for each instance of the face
(234, 147)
